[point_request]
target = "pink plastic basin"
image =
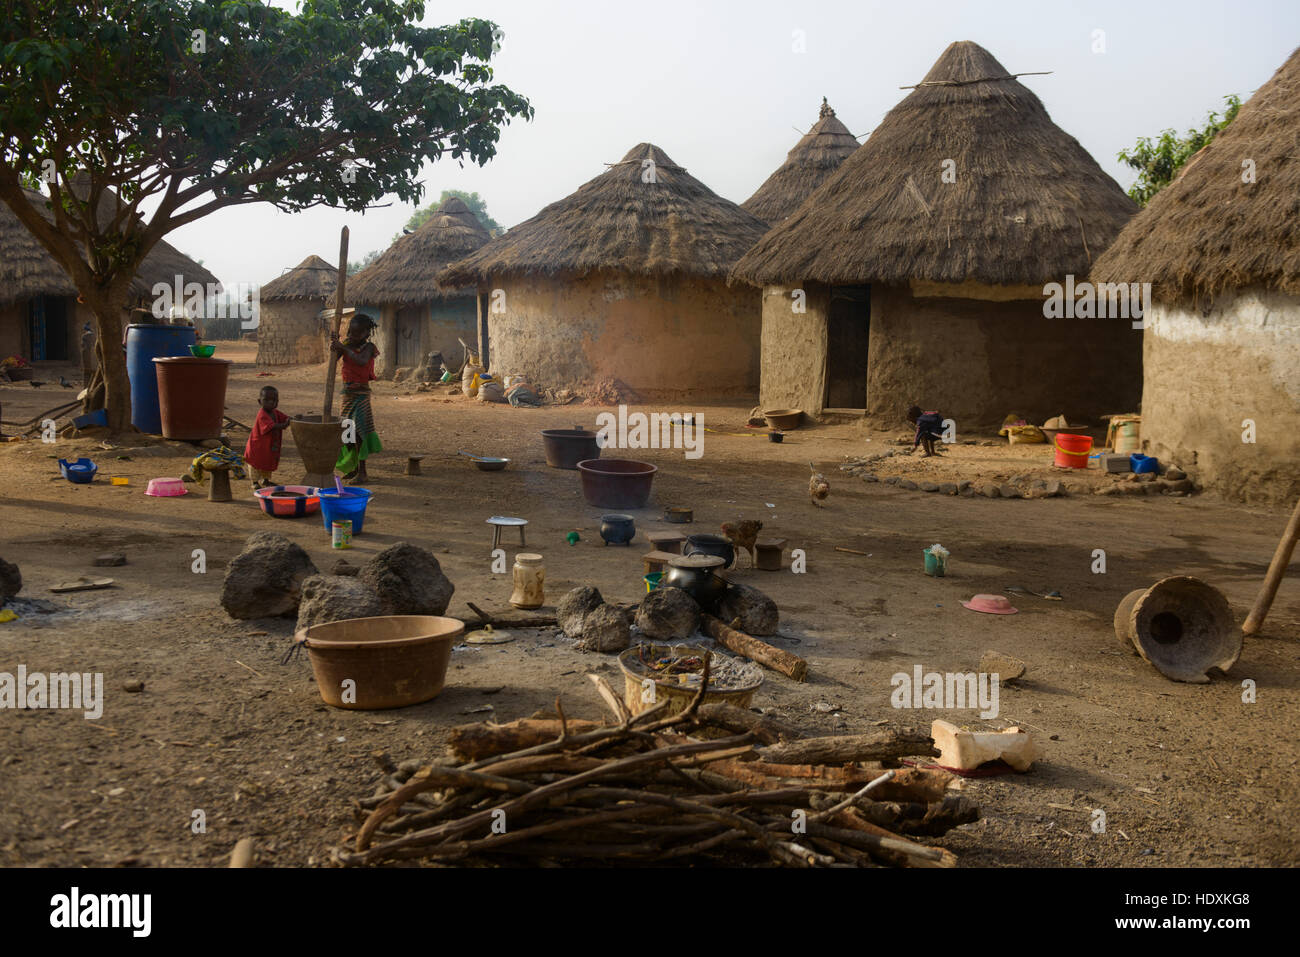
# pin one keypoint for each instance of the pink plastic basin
(165, 487)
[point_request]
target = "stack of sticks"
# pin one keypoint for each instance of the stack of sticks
(714, 784)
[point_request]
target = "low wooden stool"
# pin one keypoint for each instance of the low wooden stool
(656, 560)
(219, 490)
(499, 522)
(770, 553)
(413, 465)
(667, 541)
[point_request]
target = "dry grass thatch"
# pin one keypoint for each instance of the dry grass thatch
(313, 278)
(1208, 231)
(407, 271)
(1028, 204)
(27, 270)
(619, 222)
(817, 154)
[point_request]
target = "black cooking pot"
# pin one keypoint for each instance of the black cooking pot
(701, 583)
(711, 545)
(617, 529)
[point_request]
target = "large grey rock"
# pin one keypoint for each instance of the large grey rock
(574, 608)
(408, 581)
(758, 614)
(335, 597)
(11, 580)
(265, 579)
(607, 628)
(668, 614)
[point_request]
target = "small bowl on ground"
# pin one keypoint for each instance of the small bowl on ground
(487, 464)
(165, 488)
(678, 515)
(288, 501)
(78, 471)
(783, 420)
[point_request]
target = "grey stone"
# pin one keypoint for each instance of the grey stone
(870, 477)
(1145, 476)
(989, 490)
(11, 580)
(574, 608)
(893, 480)
(1174, 473)
(1181, 485)
(964, 484)
(1006, 667)
(328, 598)
(1053, 487)
(948, 488)
(757, 613)
(668, 614)
(265, 579)
(133, 687)
(342, 567)
(1038, 483)
(908, 484)
(408, 581)
(109, 560)
(1008, 490)
(606, 629)
(929, 487)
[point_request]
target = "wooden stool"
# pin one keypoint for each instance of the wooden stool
(667, 541)
(413, 465)
(499, 522)
(770, 553)
(656, 560)
(219, 490)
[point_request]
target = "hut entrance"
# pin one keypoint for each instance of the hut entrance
(47, 329)
(408, 340)
(848, 323)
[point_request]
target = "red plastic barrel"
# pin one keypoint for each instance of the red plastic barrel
(1071, 450)
(191, 396)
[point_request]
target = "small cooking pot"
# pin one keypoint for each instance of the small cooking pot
(711, 545)
(617, 529)
(695, 575)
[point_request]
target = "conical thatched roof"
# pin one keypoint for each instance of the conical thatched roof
(1028, 204)
(313, 278)
(1208, 231)
(620, 222)
(817, 154)
(406, 272)
(28, 270)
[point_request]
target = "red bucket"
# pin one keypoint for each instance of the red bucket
(1072, 450)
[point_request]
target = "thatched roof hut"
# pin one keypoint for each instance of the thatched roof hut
(312, 279)
(626, 279)
(1221, 250)
(407, 271)
(818, 153)
(935, 237)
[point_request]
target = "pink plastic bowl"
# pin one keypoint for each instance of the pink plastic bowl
(991, 605)
(166, 487)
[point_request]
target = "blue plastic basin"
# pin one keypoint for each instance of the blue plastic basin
(81, 471)
(350, 505)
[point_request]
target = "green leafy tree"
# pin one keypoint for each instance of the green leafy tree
(1158, 161)
(477, 205)
(356, 265)
(198, 105)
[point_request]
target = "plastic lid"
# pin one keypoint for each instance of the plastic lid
(528, 558)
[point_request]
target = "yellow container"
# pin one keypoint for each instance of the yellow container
(119, 480)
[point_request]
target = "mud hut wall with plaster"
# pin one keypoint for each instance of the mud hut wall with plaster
(290, 329)
(415, 314)
(625, 279)
(922, 260)
(40, 317)
(1221, 359)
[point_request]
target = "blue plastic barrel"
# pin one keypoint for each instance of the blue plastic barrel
(144, 343)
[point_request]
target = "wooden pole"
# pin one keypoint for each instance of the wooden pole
(328, 414)
(778, 659)
(1281, 558)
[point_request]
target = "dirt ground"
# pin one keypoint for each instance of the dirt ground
(1186, 774)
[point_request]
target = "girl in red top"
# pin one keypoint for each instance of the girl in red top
(262, 453)
(358, 354)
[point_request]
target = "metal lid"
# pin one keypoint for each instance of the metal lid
(697, 561)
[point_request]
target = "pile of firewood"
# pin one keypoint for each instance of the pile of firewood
(714, 784)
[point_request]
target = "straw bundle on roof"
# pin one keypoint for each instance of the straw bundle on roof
(407, 271)
(817, 154)
(1209, 231)
(1028, 203)
(28, 270)
(313, 278)
(638, 218)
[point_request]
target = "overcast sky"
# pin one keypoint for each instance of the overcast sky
(720, 87)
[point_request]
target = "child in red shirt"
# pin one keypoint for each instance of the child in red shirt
(262, 453)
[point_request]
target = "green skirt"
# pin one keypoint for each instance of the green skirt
(356, 406)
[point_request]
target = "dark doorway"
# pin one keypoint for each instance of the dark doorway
(47, 329)
(848, 325)
(483, 303)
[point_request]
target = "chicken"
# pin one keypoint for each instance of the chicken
(818, 487)
(743, 535)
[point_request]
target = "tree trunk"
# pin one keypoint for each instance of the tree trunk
(107, 307)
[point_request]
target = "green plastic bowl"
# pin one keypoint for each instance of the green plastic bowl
(202, 352)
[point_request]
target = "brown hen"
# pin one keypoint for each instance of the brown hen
(744, 535)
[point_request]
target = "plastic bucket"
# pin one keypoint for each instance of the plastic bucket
(144, 343)
(936, 566)
(351, 505)
(191, 396)
(1072, 450)
(652, 581)
(1128, 437)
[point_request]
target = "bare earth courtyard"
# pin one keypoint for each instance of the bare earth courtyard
(1186, 774)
